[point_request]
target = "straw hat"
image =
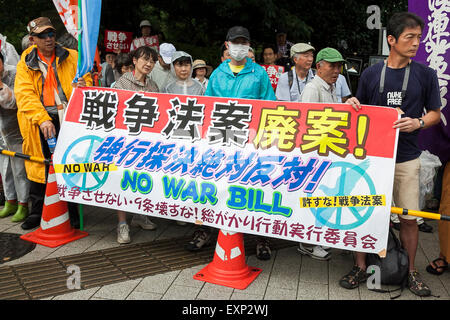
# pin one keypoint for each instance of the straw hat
(198, 63)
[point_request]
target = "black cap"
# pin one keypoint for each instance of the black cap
(237, 32)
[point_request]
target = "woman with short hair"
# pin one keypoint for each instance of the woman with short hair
(144, 59)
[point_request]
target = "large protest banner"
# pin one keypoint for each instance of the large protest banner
(314, 173)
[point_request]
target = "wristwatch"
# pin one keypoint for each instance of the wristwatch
(422, 123)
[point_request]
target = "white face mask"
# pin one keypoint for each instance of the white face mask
(238, 51)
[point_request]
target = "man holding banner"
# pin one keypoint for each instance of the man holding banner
(147, 39)
(408, 86)
(43, 85)
(321, 89)
(240, 77)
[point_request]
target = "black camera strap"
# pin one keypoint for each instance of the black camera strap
(405, 80)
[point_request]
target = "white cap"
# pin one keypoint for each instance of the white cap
(145, 23)
(166, 50)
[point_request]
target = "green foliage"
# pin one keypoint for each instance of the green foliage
(199, 27)
(339, 20)
(16, 15)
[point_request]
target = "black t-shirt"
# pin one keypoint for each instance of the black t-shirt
(422, 92)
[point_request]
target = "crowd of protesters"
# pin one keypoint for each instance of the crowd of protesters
(34, 88)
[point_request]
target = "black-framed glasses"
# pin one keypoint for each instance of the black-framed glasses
(45, 35)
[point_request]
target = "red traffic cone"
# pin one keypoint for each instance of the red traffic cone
(55, 229)
(228, 267)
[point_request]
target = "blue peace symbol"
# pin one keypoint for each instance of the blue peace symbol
(86, 146)
(361, 214)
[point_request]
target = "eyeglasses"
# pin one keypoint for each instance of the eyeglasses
(147, 60)
(45, 35)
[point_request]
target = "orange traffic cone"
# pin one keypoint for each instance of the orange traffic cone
(55, 229)
(228, 267)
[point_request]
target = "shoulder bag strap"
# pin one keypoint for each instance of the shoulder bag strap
(291, 78)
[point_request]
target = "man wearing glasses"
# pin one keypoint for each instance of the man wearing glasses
(43, 84)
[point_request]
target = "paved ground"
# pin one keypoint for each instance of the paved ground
(287, 276)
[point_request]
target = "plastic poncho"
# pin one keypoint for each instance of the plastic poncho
(9, 52)
(189, 86)
(161, 76)
(9, 126)
(15, 182)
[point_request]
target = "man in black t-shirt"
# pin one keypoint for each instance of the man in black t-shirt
(410, 87)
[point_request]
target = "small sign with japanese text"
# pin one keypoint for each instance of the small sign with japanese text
(306, 172)
(148, 41)
(274, 72)
(118, 40)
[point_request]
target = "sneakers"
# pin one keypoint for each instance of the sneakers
(123, 233)
(416, 284)
(353, 278)
(315, 252)
(263, 251)
(143, 221)
(201, 239)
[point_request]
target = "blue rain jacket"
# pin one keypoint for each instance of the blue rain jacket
(252, 82)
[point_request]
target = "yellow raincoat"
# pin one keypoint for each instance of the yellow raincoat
(31, 112)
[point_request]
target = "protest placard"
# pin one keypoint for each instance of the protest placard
(274, 73)
(148, 41)
(118, 40)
